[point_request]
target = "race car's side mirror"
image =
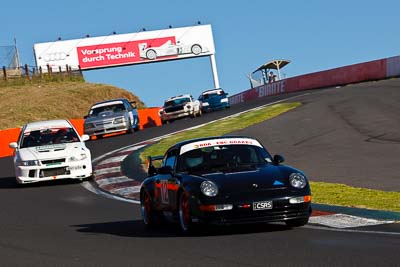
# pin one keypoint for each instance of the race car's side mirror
(85, 137)
(278, 159)
(13, 145)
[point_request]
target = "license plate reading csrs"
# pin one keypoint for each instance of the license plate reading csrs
(263, 205)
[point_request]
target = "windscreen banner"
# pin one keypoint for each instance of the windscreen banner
(126, 49)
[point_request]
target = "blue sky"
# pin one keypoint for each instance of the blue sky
(314, 35)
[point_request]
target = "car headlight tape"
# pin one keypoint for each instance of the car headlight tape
(209, 189)
(29, 163)
(78, 157)
(119, 120)
(297, 180)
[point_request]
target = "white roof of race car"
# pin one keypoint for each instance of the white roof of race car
(179, 96)
(212, 91)
(38, 125)
(219, 142)
(108, 103)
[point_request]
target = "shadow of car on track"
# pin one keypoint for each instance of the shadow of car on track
(11, 183)
(136, 228)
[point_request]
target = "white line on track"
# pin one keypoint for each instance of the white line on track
(88, 186)
(350, 230)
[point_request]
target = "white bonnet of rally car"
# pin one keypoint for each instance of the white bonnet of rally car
(51, 151)
(218, 142)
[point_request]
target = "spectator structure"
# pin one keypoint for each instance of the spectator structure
(262, 75)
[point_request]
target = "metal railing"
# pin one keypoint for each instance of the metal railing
(27, 73)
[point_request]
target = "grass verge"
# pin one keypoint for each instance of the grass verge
(344, 195)
(323, 193)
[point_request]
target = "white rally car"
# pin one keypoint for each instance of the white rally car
(50, 150)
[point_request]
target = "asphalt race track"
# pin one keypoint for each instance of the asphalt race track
(349, 135)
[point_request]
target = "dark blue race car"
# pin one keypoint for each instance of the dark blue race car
(224, 180)
(214, 99)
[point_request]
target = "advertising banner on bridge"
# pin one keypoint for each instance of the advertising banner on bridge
(126, 49)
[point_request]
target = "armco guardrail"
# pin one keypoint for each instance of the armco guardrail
(148, 118)
(367, 71)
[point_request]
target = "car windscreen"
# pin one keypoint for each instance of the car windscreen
(114, 108)
(224, 158)
(213, 94)
(176, 102)
(49, 136)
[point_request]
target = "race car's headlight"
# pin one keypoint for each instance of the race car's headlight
(224, 100)
(119, 120)
(205, 104)
(78, 157)
(209, 189)
(89, 125)
(297, 180)
(188, 106)
(28, 163)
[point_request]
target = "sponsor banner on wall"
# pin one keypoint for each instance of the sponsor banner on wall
(126, 49)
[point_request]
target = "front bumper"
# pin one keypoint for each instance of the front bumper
(71, 170)
(281, 211)
(176, 115)
(218, 106)
(106, 128)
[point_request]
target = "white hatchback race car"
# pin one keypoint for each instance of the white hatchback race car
(51, 150)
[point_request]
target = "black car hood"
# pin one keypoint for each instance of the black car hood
(268, 177)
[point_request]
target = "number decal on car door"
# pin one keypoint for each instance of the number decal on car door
(164, 192)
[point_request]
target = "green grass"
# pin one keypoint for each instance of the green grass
(323, 193)
(344, 195)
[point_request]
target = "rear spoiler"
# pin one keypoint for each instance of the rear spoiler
(151, 170)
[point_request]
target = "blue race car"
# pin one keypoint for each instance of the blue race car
(214, 99)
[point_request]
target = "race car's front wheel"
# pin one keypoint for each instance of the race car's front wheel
(185, 220)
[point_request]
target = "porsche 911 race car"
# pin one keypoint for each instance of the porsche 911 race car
(50, 150)
(224, 180)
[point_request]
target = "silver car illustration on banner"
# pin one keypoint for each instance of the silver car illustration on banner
(170, 49)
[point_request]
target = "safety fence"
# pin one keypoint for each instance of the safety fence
(367, 71)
